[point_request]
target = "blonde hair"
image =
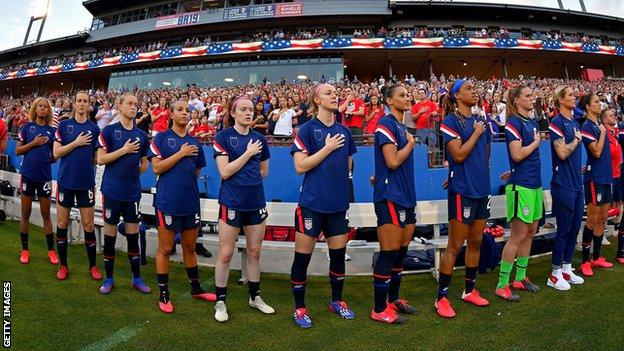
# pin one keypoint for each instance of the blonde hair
(559, 94)
(32, 113)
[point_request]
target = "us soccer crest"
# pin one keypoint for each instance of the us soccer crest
(308, 223)
(402, 215)
(24, 186)
(318, 135)
(61, 196)
(466, 212)
(117, 134)
(107, 213)
(70, 129)
(168, 220)
(234, 141)
(171, 142)
(599, 197)
(32, 129)
(525, 210)
(231, 214)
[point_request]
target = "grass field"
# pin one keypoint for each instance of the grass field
(73, 315)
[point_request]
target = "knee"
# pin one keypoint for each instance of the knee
(225, 256)
(188, 248)
(46, 216)
(253, 253)
(26, 212)
(87, 226)
(473, 244)
(452, 250)
(164, 251)
(62, 223)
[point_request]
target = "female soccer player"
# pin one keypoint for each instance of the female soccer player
(242, 156)
(597, 183)
(177, 159)
(395, 201)
(523, 191)
(35, 143)
(75, 145)
(467, 144)
(322, 152)
(566, 188)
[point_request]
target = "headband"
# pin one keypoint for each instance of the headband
(455, 88)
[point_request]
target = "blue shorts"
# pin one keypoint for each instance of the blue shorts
(112, 210)
(388, 212)
(75, 198)
(29, 188)
(176, 223)
(241, 219)
(467, 209)
(312, 223)
(598, 194)
(617, 194)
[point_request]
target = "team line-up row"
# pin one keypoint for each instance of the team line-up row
(322, 151)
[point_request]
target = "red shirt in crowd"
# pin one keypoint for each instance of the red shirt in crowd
(162, 123)
(371, 125)
(616, 153)
(3, 135)
(424, 121)
(350, 120)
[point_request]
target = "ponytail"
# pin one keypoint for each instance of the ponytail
(513, 93)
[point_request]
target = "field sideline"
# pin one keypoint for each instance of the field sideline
(73, 315)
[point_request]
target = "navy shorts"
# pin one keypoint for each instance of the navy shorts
(29, 188)
(75, 198)
(617, 190)
(388, 212)
(112, 210)
(312, 223)
(467, 209)
(241, 219)
(176, 223)
(597, 194)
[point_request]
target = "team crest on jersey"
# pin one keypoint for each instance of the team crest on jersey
(32, 129)
(234, 141)
(525, 210)
(171, 142)
(117, 134)
(599, 197)
(467, 212)
(168, 220)
(61, 196)
(308, 223)
(24, 186)
(70, 129)
(107, 213)
(231, 214)
(402, 215)
(318, 135)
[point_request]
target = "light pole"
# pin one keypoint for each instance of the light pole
(38, 11)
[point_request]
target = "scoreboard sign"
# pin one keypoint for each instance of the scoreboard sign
(179, 20)
(259, 11)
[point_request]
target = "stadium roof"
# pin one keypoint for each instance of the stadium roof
(99, 6)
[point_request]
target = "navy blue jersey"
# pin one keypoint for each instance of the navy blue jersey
(470, 178)
(36, 164)
(325, 188)
(565, 173)
(122, 178)
(244, 190)
(177, 191)
(396, 185)
(598, 170)
(526, 173)
(76, 171)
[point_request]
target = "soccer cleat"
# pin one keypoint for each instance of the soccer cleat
(558, 282)
(95, 273)
(24, 257)
(342, 309)
(572, 278)
(526, 285)
(301, 318)
(140, 285)
(165, 304)
(475, 298)
(402, 306)
(107, 287)
(221, 314)
(605, 241)
(62, 273)
(507, 295)
(389, 315)
(586, 269)
(204, 296)
(444, 309)
(620, 260)
(601, 262)
(257, 303)
(52, 257)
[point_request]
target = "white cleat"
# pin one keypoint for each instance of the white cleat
(558, 282)
(605, 241)
(221, 314)
(257, 303)
(572, 278)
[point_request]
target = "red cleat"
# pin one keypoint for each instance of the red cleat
(506, 294)
(444, 309)
(388, 316)
(62, 273)
(166, 307)
(475, 298)
(620, 260)
(24, 257)
(586, 269)
(52, 257)
(601, 262)
(205, 296)
(95, 273)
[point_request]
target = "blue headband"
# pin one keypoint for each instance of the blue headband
(455, 88)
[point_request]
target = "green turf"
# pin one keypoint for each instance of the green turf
(72, 315)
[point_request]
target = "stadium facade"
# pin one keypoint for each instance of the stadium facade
(234, 56)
